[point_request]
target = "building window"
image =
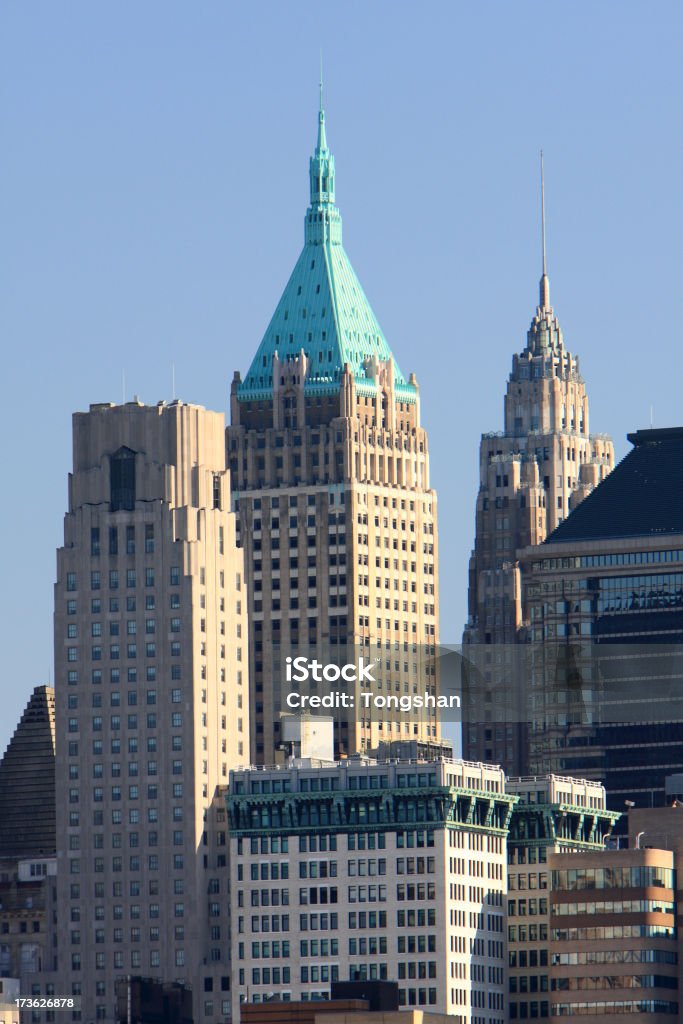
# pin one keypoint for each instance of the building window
(122, 480)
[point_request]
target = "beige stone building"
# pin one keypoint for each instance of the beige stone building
(532, 474)
(151, 685)
(330, 476)
(365, 870)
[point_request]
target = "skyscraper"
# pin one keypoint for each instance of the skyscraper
(604, 593)
(330, 476)
(532, 473)
(151, 695)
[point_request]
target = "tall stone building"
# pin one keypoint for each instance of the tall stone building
(151, 689)
(330, 476)
(532, 473)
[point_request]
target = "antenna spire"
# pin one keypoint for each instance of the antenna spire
(322, 140)
(544, 290)
(321, 80)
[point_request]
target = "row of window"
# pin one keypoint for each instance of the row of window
(614, 907)
(115, 605)
(520, 907)
(132, 935)
(131, 675)
(115, 696)
(135, 863)
(132, 722)
(113, 536)
(613, 1007)
(335, 497)
(133, 793)
(131, 579)
(114, 628)
(133, 745)
(115, 770)
(613, 878)
(135, 960)
(96, 652)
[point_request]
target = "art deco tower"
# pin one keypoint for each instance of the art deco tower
(532, 473)
(151, 691)
(330, 474)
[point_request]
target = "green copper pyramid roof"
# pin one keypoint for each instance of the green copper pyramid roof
(323, 310)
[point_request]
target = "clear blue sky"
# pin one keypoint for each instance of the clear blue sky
(154, 181)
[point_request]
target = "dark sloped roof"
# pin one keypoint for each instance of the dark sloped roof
(27, 781)
(642, 496)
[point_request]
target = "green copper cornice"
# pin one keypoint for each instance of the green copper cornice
(323, 311)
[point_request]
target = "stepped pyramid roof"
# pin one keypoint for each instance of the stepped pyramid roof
(27, 781)
(323, 310)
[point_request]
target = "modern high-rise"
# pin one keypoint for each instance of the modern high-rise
(532, 473)
(151, 690)
(614, 935)
(361, 870)
(603, 600)
(330, 476)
